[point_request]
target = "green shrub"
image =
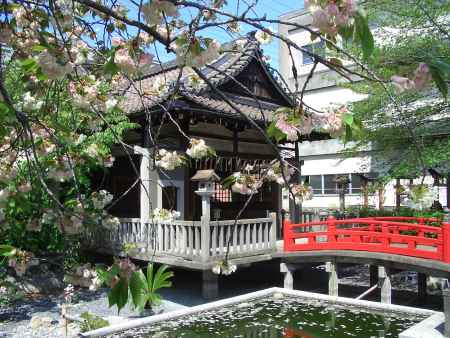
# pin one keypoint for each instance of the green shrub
(92, 322)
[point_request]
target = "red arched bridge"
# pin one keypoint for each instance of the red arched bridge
(419, 237)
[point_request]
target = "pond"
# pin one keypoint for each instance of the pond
(282, 316)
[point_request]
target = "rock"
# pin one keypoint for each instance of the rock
(39, 278)
(40, 322)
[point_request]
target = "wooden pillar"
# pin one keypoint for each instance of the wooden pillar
(144, 187)
(421, 286)
(384, 277)
(210, 285)
(333, 282)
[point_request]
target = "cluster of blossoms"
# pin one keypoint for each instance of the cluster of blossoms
(275, 173)
(20, 261)
(101, 198)
(245, 183)
(88, 272)
(302, 192)
(195, 81)
(156, 11)
(331, 121)
(30, 103)
(224, 267)
(194, 51)
(168, 160)
(264, 37)
(422, 77)
(164, 215)
(329, 16)
(129, 60)
(198, 149)
(292, 127)
(160, 86)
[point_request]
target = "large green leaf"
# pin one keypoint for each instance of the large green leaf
(364, 34)
(162, 278)
(275, 133)
(119, 294)
(138, 289)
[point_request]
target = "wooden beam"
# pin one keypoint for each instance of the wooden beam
(235, 142)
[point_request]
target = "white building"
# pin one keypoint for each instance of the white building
(324, 159)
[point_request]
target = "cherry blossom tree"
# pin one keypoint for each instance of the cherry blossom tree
(63, 60)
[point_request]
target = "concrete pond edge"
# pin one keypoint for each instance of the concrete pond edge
(434, 319)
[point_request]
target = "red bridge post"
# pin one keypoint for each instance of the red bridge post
(446, 242)
(286, 237)
(331, 225)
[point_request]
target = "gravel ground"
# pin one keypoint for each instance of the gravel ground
(40, 317)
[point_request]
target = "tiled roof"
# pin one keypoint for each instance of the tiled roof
(138, 94)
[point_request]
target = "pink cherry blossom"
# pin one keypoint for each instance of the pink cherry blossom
(123, 60)
(306, 126)
(288, 129)
(402, 83)
(332, 9)
(117, 42)
(145, 59)
(422, 76)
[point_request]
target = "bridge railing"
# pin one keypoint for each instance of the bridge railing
(204, 240)
(396, 235)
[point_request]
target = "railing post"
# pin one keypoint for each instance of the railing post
(273, 231)
(286, 237)
(205, 239)
(446, 300)
(446, 242)
(331, 225)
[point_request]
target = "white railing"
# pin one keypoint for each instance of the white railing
(245, 237)
(187, 239)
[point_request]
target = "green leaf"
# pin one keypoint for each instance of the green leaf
(348, 119)
(7, 250)
(365, 37)
(439, 80)
(442, 66)
(38, 48)
(162, 278)
(138, 289)
(110, 67)
(119, 294)
(275, 133)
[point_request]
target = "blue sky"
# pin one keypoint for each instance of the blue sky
(271, 8)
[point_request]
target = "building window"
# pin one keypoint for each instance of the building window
(315, 181)
(316, 48)
(356, 183)
(329, 186)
